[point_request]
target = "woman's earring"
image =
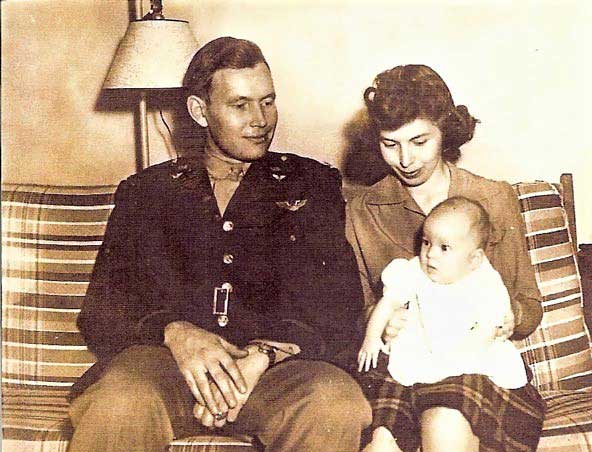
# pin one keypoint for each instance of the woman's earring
(369, 94)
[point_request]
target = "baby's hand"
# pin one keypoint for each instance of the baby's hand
(369, 354)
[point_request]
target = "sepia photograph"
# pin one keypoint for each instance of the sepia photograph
(296, 225)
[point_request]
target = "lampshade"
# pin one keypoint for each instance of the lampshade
(152, 54)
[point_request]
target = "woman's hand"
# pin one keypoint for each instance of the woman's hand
(506, 329)
(395, 324)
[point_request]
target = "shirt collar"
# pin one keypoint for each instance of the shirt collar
(218, 168)
(389, 190)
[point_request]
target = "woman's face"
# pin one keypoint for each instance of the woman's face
(413, 151)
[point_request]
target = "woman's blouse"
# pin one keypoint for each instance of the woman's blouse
(384, 223)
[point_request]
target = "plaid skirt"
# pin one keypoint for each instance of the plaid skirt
(504, 420)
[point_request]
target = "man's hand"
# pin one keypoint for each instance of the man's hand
(251, 367)
(199, 353)
(395, 324)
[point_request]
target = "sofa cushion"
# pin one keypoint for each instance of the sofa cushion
(212, 443)
(35, 421)
(568, 422)
(50, 237)
(559, 350)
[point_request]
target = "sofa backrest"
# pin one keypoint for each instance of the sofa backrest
(559, 350)
(50, 238)
(51, 235)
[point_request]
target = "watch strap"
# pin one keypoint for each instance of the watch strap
(268, 350)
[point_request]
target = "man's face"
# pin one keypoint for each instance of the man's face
(448, 249)
(241, 115)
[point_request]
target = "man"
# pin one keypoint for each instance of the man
(223, 288)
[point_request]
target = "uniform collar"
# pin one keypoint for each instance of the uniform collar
(274, 177)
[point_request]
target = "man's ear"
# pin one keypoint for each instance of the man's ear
(197, 108)
(477, 258)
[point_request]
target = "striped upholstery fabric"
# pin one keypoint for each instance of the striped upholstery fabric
(34, 420)
(50, 240)
(559, 351)
(50, 237)
(211, 443)
(568, 422)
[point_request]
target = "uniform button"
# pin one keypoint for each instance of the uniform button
(283, 158)
(292, 238)
(228, 258)
(228, 226)
(227, 286)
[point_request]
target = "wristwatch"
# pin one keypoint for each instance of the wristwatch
(268, 350)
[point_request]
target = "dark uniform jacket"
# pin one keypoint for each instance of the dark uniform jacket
(280, 245)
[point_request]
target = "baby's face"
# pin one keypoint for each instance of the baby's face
(448, 248)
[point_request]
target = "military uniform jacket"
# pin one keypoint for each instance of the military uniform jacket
(280, 245)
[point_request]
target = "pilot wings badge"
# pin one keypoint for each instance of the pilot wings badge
(291, 205)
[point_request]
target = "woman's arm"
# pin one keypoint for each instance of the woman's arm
(353, 239)
(516, 269)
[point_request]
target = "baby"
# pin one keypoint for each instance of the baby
(456, 302)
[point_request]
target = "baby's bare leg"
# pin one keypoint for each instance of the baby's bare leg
(382, 441)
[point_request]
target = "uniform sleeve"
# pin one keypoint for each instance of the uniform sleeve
(120, 309)
(516, 269)
(108, 318)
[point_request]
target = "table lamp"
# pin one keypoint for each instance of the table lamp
(153, 54)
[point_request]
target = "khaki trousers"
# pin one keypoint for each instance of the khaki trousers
(141, 403)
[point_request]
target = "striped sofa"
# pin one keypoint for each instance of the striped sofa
(50, 236)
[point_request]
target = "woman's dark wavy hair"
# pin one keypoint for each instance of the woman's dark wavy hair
(221, 53)
(405, 93)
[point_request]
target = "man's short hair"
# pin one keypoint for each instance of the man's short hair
(221, 53)
(480, 224)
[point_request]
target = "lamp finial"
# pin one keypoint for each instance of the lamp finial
(155, 12)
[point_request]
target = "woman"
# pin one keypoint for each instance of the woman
(420, 130)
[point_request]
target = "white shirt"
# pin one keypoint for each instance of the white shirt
(451, 327)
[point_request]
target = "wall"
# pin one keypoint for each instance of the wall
(523, 69)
